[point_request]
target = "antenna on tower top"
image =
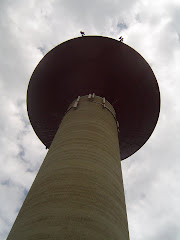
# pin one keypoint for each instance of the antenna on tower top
(121, 39)
(82, 33)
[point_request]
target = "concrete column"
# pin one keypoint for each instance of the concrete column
(78, 192)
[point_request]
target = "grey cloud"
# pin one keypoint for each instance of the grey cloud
(122, 26)
(42, 50)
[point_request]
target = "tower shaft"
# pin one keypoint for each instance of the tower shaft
(78, 192)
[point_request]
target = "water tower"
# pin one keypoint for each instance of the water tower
(93, 101)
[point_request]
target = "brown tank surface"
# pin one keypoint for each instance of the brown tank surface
(100, 65)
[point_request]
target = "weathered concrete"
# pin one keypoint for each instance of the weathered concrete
(78, 192)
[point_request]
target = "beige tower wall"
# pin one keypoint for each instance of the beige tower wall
(78, 192)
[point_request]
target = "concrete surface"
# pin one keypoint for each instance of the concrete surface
(78, 192)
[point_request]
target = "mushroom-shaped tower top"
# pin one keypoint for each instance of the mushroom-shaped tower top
(100, 65)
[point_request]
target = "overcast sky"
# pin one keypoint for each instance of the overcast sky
(28, 30)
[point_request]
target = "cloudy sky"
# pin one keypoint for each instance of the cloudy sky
(28, 30)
